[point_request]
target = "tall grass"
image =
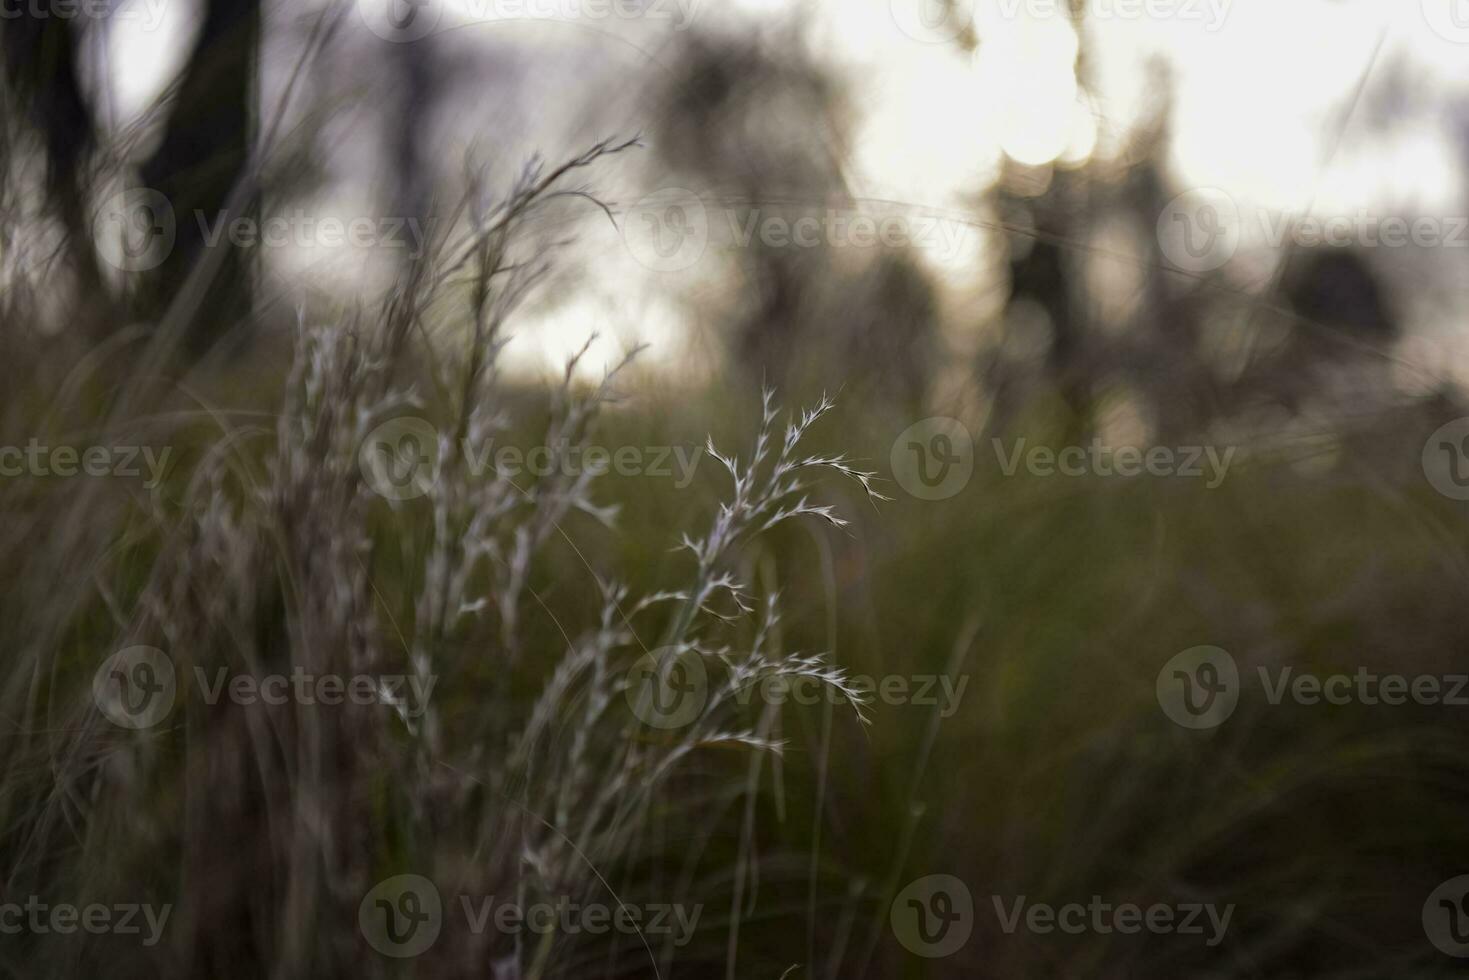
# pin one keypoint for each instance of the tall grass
(552, 613)
(529, 774)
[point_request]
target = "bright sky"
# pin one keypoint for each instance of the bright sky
(1261, 90)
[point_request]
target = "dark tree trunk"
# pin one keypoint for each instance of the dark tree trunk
(199, 163)
(40, 55)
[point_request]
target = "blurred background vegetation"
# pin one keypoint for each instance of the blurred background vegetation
(1032, 159)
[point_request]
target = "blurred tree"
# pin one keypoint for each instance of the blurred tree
(760, 132)
(40, 55)
(1043, 274)
(420, 80)
(1343, 323)
(198, 161)
(1336, 288)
